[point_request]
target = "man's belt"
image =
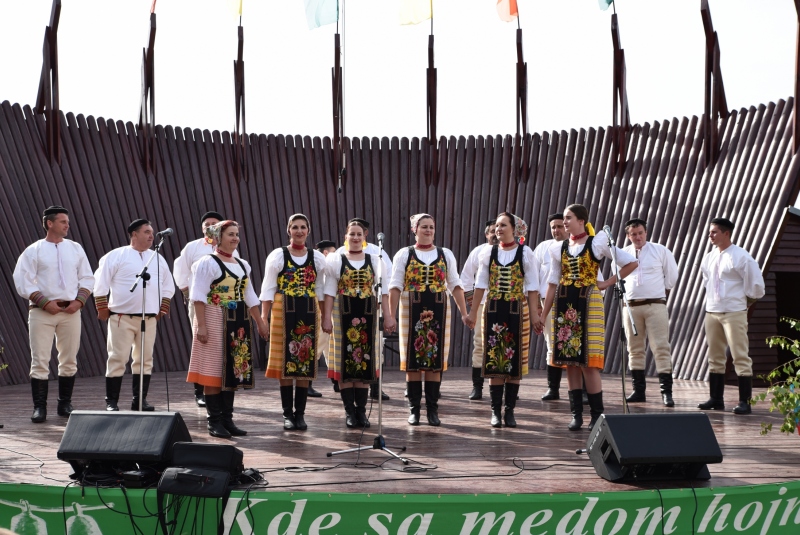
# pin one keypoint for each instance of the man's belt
(61, 304)
(133, 315)
(640, 302)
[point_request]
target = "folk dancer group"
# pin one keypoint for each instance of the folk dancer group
(316, 301)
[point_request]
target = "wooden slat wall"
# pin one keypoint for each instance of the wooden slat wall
(102, 181)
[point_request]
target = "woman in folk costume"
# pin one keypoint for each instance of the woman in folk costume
(508, 274)
(293, 283)
(578, 335)
(222, 348)
(422, 275)
(351, 314)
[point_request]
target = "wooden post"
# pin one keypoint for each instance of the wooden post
(240, 135)
(339, 160)
(795, 121)
(622, 117)
(522, 106)
(47, 95)
(147, 103)
(433, 169)
(715, 103)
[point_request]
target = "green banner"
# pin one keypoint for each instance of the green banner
(759, 509)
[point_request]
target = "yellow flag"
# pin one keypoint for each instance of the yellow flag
(415, 11)
(235, 7)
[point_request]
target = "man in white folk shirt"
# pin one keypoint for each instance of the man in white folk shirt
(182, 270)
(468, 273)
(55, 276)
(647, 288)
(733, 282)
(554, 373)
(371, 249)
(123, 309)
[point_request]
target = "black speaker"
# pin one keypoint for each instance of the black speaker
(121, 442)
(647, 447)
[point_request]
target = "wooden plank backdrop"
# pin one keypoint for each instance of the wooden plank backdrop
(102, 181)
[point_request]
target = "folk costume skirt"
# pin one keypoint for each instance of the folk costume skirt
(424, 329)
(353, 349)
(226, 360)
(294, 334)
(578, 334)
(506, 338)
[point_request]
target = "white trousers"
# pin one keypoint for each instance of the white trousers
(725, 329)
(66, 328)
(652, 324)
(125, 341)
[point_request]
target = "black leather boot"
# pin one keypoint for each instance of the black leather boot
(300, 398)
(496, 395)
(553, 383)
(227, 414)
(745, 393)
(313, 393)
(39, 392)
(335, 385)
(349, 402)
(511, 401)
(287, 400)
(65, 385)
(639, 381)
(373, 392)
(716, 389)
(361, 395)
(477, 384)
(432, 402)
(199, 396)
(146, 407)
(665, 382)
(576, 406)
(214, 416)
(414, 389)
(595, 407)
(113, 386)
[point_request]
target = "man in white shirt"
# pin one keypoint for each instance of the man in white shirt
(733, 282)
(541, 253)
(115, 276)
(182, 270)
(647, 288)
(56, 278)
(468, 273)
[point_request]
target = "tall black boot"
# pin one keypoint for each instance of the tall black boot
(432, 402)
(287, 399)
(496, 395)
(576, 406)
(477, 384)
(553, 383)
(39, 392)
(361, 395)
(348, 400)
(113, 386)
(595, 407)
(146, 407)
(745, 393)
(665, 382)
(227, 414)
(414, 389)
(300, 397)
(335, 384)
(313, 393)
(65, 385)
(199, 396)
(373, 392)
(639, 381)
(512, 389)
(214, 411)
(716, 389)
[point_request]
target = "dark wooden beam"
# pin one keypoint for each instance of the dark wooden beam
(240, 134)
(147, 103)
(795, 121)
(522, 108)
(621, 111)
(433, 167)
(47, 95)
(339, 159)
(715, 103)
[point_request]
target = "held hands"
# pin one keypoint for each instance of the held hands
(389, 324)
(263, 329)
(327, 326)
(74, 306)
(53, 308)
(603, 285)
(468, 321)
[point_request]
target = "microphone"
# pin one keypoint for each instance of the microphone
(381, 237)
(164, 233)
(607, 230)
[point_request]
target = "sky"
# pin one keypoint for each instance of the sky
(567, 45)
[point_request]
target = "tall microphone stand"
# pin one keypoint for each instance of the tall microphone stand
(144, 276)
(379, 443)
(623, 305)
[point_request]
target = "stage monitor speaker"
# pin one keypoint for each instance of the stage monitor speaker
(122, 439)
(648, 447)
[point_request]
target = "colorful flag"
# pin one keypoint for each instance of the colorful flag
(415, 11)
(507, 9)
(321, 12)
(604, 4)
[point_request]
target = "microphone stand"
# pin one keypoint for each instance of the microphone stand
(623, 305)
(379, 443)
(144, 276)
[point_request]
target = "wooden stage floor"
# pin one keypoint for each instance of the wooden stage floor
(464, 455)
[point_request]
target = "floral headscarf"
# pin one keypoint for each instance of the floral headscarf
(520, 226)
(215, 231)
(415, 219)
